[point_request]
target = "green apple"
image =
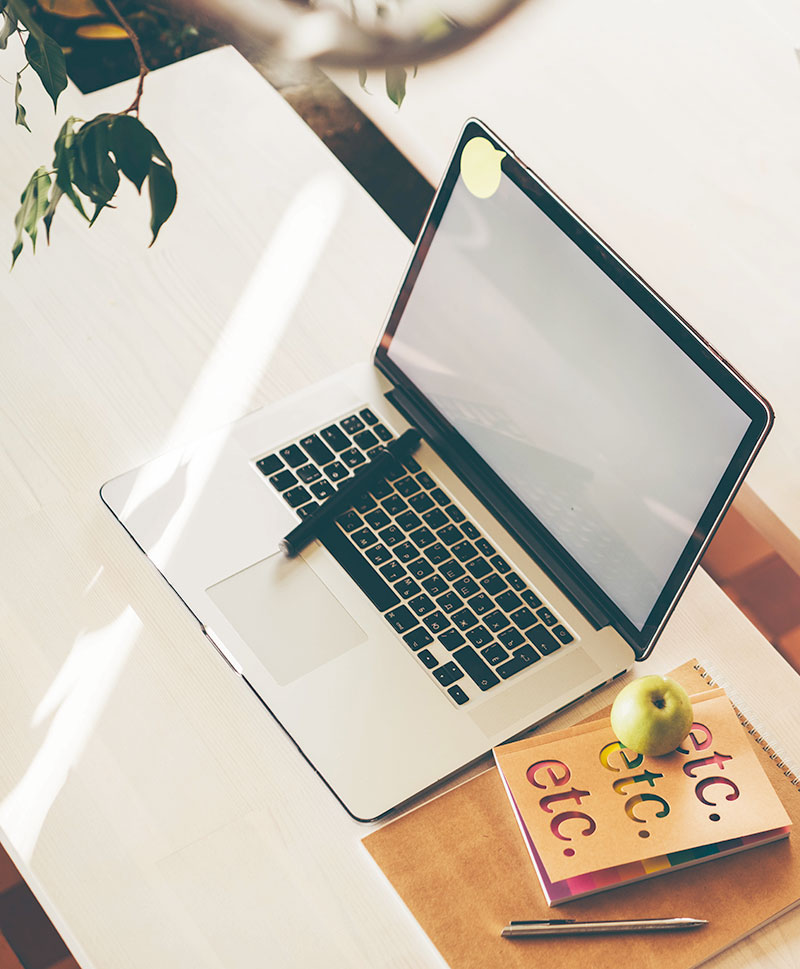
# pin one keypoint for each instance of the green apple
(652, 715)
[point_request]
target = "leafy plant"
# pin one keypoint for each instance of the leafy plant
(89, 156)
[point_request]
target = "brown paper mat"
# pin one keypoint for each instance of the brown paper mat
(461, 867)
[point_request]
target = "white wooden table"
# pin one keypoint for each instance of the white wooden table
(160, 815)
(672, 127)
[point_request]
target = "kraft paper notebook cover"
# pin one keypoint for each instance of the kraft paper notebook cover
(460, 865)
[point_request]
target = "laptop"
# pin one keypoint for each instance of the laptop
(581, 442)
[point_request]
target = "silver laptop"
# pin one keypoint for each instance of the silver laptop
(580, 445)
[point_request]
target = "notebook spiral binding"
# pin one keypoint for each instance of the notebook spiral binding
(759, 739)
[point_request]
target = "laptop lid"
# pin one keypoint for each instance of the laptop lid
(596, 424)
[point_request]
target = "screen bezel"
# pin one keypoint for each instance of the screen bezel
(480, 477)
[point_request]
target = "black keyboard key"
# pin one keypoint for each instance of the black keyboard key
(479, 636)
(378, 554)
(483, 546)
(366, 439)
(395, 470)
(500, 564)
(562, 635)
(422, 537)
(316, 449)
(479, 568)
(542, 639)
(519, 661)
(466, 587)
(494, 654)
(306, 511)
(436, 621)
(391, 535)
(435, 585)
(409, 521)
(451, 639)
(350, 521)
(406, 486)
(456, 513)
(428, 659)
(383, 432)
(523, 618)
(364, 503)
(381, 489)
(509, 601)
(309, 472)
(547, 617)
(533, 600)
(440, 497)
(458, 694)
(436, 553)
(475, 668)
(352, 457)
(496, 621)
(481, 603)
(367, 416)
(401, 619)
(336, 471)
(450, 534)
(353, 424)
(283, 480)
(405, 551)
(270, 464)
(381, 595)
(515, 581)
(394, 504)
(464, 551)
(410, 464)
(293, 456)
(363, 538)
(377, 519)
(393, 571)
(464, 619)
(420, 569)
(449, 602)
(425, 480)
(334, 437)
(407, 588)
(297, 496)
(452, 570)
(470, 530)
(435, 518)
(418, 638)
(511, 638)
(495, 585)
(322, 490)
(448, 673)
(420, 502)
(421, 605)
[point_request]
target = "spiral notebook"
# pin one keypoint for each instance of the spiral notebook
(460, 866)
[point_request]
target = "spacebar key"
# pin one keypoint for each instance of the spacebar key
(381, 595)
(475, 668)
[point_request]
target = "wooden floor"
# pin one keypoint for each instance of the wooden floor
(739, 559)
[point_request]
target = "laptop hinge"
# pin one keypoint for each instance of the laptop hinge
(511, 520)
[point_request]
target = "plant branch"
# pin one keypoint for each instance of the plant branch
(143, 69)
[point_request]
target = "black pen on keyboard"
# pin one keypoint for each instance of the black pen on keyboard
(383, 460)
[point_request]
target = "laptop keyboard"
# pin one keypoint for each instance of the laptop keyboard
(468, 616)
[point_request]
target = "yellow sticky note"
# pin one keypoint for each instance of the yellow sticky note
(480, 167)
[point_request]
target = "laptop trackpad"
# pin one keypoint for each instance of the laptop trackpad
(287, 616)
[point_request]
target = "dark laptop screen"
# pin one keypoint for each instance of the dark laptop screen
(604, 427)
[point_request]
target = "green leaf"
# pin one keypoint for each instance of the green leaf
(7, 27)
(163, 195)
(159, 153)
(47, 59)
(65, 161)
(362, 79)
(96, 173)
(33, 206)
(396, 84)
(50, 211)
(20, 117)
(132, 145)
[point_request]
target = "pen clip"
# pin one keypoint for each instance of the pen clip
(543, 922)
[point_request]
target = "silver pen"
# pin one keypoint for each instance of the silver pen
(571, 927)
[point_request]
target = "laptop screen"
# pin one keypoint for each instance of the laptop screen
(586, 409)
